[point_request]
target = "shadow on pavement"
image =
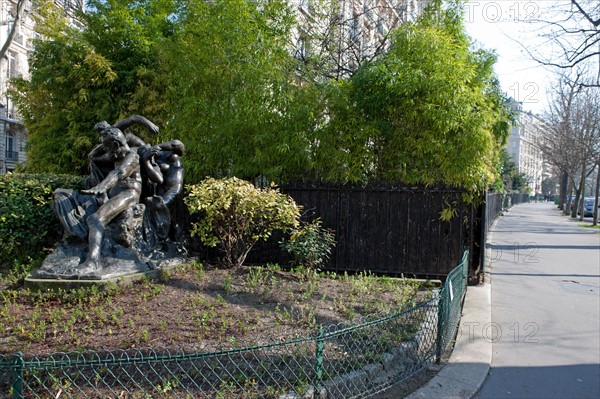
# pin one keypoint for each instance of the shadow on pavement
(578, 381)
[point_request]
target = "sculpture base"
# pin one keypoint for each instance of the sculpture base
(65, 260)
(34, 282)
(128, 248)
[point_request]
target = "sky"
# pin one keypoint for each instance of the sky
(501, 25)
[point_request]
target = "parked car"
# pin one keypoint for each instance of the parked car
(588, 206)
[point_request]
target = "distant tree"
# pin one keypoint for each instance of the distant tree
(509, 177)
(573, 142)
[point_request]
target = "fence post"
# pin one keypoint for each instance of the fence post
(484, 232)
(17, 380)
(319, 360)
(441, 324)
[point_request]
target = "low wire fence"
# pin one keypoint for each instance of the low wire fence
(354, 360)
(450, 304)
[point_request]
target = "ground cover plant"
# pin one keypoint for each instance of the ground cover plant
(195, 307)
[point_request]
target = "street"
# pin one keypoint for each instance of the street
(545, 329)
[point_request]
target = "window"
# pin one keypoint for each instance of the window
(10, 140)
(302, 48)
(11, 154)
(355, 28)
(11, 70)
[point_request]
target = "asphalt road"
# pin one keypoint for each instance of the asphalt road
(545, 329)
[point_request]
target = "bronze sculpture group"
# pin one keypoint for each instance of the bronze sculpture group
(121, 222)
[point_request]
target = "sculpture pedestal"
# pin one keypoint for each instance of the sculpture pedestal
(34, 282)
(64, 261)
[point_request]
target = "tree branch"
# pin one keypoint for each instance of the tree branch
(596, 23)
(13, 29)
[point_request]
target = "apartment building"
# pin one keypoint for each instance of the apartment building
(524, 149)
(17, 32)
(14, 64)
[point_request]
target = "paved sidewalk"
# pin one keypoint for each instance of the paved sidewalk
(533, 330)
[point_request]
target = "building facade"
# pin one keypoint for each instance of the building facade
(13, 135)
(524, 149)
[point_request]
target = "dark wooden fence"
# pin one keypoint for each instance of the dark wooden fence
(496, 203)
(383, 229)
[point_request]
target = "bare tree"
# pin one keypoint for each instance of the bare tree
(573, 142)
(571, 28)
(19, 9)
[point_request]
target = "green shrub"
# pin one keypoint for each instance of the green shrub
(27, 221)
(310, 244)
(236, 214)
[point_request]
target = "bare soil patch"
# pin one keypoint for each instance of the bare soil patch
(195, 307)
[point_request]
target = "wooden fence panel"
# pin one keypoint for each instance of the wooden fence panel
(382, 229)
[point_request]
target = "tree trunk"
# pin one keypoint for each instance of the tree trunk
(13, 29)
(562, 196)
(569, 201)
(579, 192)
(596, 203)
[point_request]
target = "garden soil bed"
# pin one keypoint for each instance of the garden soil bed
(195, 307)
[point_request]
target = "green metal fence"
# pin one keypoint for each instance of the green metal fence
(450, 304)
(352, 360)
